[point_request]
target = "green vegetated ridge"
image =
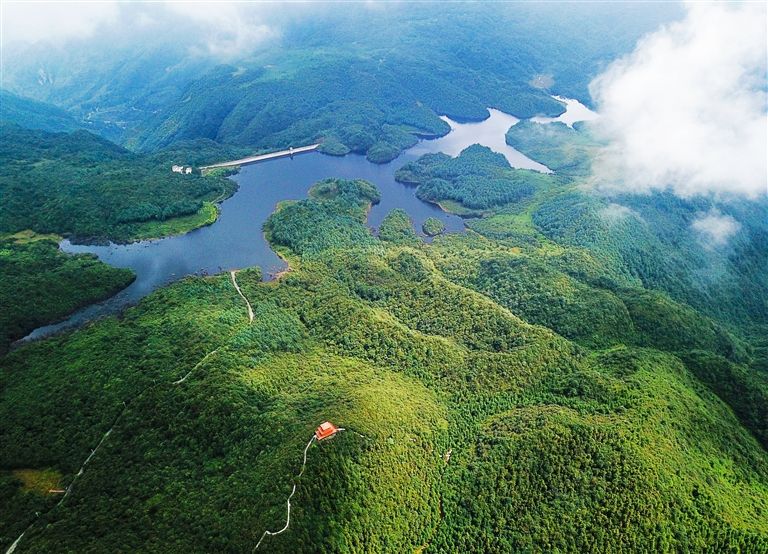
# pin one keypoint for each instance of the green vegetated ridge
(86, 187)
(39, 284)
(508, 390)
(645, 239)
(433, 227)
(559, 147)
(345, 79)
(32, 114)
(472, 184)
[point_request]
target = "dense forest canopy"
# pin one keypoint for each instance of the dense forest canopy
(653, 238)
(82, 185)
(40, 284)
(580, 370)
(35, 115)
(464, 405)
(339, 73)
(477, 179)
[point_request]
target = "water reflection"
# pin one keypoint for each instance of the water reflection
(574, 111)
(490, 133)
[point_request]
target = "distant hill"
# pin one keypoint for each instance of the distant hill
(347, 79)
(34, 114)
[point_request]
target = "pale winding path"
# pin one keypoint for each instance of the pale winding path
(293, 490)
(104, 437)
(237, 288)
(198, 364)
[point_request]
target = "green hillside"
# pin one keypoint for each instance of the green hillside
(472, 425)
(578, 370)
(35, 115)
(559, 147)
(345, 79)
(39, 284)
(84, 186)
(649, 238)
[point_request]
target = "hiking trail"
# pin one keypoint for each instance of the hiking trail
(104, 437)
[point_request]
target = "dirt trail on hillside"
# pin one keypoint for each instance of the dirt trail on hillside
(293, 491)
(104, 437)
(237, 288)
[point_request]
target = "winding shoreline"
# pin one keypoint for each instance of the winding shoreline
(115, 305)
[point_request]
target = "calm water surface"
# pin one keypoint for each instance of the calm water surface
(574, 111)
(236, 240)
(490, 133)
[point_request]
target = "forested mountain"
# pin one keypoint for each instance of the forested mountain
(34, 115)
(477, 181)
(338, 75)
(82, 185)
(40, 284)
(497, 433)
(573, 368)
(652, 238)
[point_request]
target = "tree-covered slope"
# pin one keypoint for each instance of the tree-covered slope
(473, 183)
(559, 147)
(40, 284)
(470, 425)
(35, 115)
(81, 185)
(356, 77)
(637, 240)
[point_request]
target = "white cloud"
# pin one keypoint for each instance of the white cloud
(686, 110)
(228, 29)
(715, 228)
(54, 20)
(220, 29)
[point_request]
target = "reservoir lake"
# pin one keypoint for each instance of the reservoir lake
(236, 239)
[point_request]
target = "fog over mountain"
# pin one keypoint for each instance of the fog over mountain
(715, 227)
(222, 30)
(686, 110)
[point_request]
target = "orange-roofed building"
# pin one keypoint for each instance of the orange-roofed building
(325, 430)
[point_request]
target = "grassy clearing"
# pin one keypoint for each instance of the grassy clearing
(207, 215)
(28, 236)
(38, 481)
